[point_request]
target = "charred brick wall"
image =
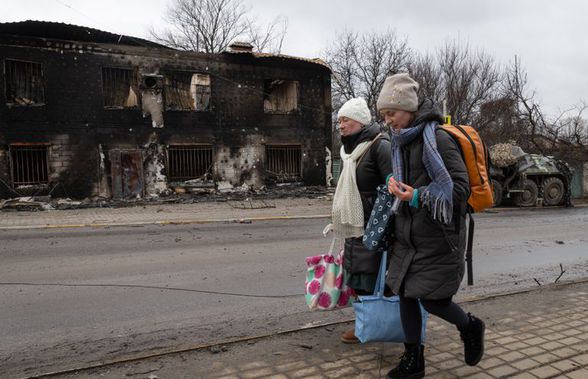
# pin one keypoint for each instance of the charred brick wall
(81, 133)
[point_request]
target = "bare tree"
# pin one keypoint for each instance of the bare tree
(341, 59)
(211, 25)
(360, 64)
(425, 70)
(498, 121)
(531, 121)
(573, 128)
(564, 135)
(469, 78)
(460, 76)
(270, 38)
(567, 135)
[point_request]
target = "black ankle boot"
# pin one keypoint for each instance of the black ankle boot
(473, 340)
(412, 363)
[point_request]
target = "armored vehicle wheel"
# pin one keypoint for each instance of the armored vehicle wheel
(528, 198)
(553, 191)
(496, 193)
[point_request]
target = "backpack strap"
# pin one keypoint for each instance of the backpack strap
(369, 148)
(469, 248)
(472, 224)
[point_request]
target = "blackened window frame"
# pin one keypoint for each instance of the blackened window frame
(40, 85)
(287, 149)
(173, 172)
(172, 81)
(42, 166)
(267, 93)
(132, 84)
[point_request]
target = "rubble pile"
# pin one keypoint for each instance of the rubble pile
(243, 197)
(506, 154)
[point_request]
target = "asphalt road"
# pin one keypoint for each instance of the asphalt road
(72, 297)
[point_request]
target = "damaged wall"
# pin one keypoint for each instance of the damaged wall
(154, 168)
(81, 131)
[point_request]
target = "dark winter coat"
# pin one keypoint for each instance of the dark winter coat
(371, 172)
(427, 262)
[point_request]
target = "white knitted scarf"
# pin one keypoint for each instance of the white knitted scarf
(347, 213)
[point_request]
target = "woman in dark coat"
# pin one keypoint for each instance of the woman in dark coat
(373, 166)
(431, 188)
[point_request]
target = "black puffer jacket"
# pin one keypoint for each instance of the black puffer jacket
(423, 262)
(371, 171)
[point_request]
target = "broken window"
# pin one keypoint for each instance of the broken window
(188, 162)
(200, 91)
(187, 91)
(118, 88)
(280, 96)
(29, 164)
(284, 161)
(24, 83)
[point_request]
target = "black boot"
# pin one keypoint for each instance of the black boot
(473, 340)
(412, 363)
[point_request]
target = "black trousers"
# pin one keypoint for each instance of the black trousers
(410, 314)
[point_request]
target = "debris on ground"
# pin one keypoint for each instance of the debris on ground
(190, 192)
(28, 203)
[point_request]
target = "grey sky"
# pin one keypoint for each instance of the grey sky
(549, 36)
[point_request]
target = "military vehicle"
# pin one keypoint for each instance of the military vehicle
(530, 180)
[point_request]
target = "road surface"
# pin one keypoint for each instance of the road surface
(72, 297)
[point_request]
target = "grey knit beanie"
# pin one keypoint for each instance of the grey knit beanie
(399, 93)
(356, 109)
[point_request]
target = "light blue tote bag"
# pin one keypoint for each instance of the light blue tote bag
(377, 318)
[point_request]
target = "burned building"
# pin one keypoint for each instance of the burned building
(85, 113)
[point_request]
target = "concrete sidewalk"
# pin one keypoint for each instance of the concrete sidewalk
(225, 211)
(538, 334)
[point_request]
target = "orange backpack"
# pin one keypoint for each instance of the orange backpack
(475, 156)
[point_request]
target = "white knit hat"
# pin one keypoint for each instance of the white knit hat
(356, 109)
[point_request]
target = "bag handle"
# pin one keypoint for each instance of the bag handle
(332, 246)
(381, 281)
(329, 228)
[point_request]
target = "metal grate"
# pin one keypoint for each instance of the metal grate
(284, 160)
(24, 82)
(29, 165)
(188, 162)
(117, 89)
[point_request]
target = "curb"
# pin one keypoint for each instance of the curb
(229, 220)
(162, 222)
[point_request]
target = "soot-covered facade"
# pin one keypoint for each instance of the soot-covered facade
(88, 113)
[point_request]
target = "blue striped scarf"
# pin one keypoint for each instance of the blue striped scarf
(438, 195)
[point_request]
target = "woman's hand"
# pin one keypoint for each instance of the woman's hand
(400, 190)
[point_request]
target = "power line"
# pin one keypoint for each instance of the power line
(101, 285)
